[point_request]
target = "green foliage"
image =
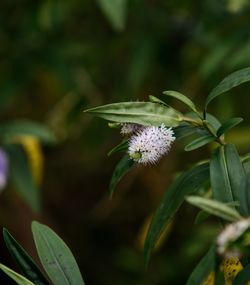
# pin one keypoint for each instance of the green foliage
(23, 260)
(203, 268)
(197, 143)
(115, 11)
(181, 98)
(231, 81)
(227, 173)
(244, 197)
(10, 131)
(215, 207)
(187, 183)
(19, 279)
(21, 176)
(123, 166)
(243, 277)
(144, 113)
(228, 125)
(120, 147)
(56, 258)
(59, 56)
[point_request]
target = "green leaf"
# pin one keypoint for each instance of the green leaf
(19, 279)
(187, 183)
(244, 197)
(227, 173)
(144, 113)
(184, 99)
(229, 124)
(12, 130)
(197, 143)
(21, 176)
(115, 12)
(215, 208)
(201, 217)
(243, 276)
(184, 130)
(204, 268)
(231, 81)
(246, 165)
(120, 147)
(213, 121)
(156, 100)
(55, 256)
(24, 261)
(123, 166)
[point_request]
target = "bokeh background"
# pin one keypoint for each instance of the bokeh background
(58, 58)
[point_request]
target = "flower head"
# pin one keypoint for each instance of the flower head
(149, 144)
(231, 234)
(4, 167)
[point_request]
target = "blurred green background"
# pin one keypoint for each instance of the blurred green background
(58, 58)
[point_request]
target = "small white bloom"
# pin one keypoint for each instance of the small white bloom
(149, 144)
(230, 234)
(130, 128)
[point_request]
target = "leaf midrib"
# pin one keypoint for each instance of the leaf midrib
(53, 255)
(228, 184)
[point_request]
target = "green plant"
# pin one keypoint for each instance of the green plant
(218, 186)
(56, 258)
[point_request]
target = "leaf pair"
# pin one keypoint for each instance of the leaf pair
(227, 174)
(55, 256)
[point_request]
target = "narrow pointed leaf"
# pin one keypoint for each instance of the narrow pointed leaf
(205, 267)
(184, 99)
(18, 278)
(244, 197)
(201, 217)
(120, 147)
(213, 121)
(144, 113)
(17, 128)
(246, 165)
(115, 12)
(231, 81)
(21, 176)
(55, 256)
(227, 174)
(197, 143)
(23, 260)
(187, 183)
(243, 276)
(228, 125)
(184, 130)
(214, 207)
(123, 166)
(154, 99)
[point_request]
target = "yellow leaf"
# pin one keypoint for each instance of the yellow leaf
(231, 267)
(34, 153)
(210, 279)
(141, 236)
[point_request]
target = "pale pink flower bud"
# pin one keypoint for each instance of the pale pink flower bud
(229, 235)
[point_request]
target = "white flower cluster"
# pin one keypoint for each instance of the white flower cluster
(149, 143)
(230, 234)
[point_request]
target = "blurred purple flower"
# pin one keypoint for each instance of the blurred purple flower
(4, 168)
